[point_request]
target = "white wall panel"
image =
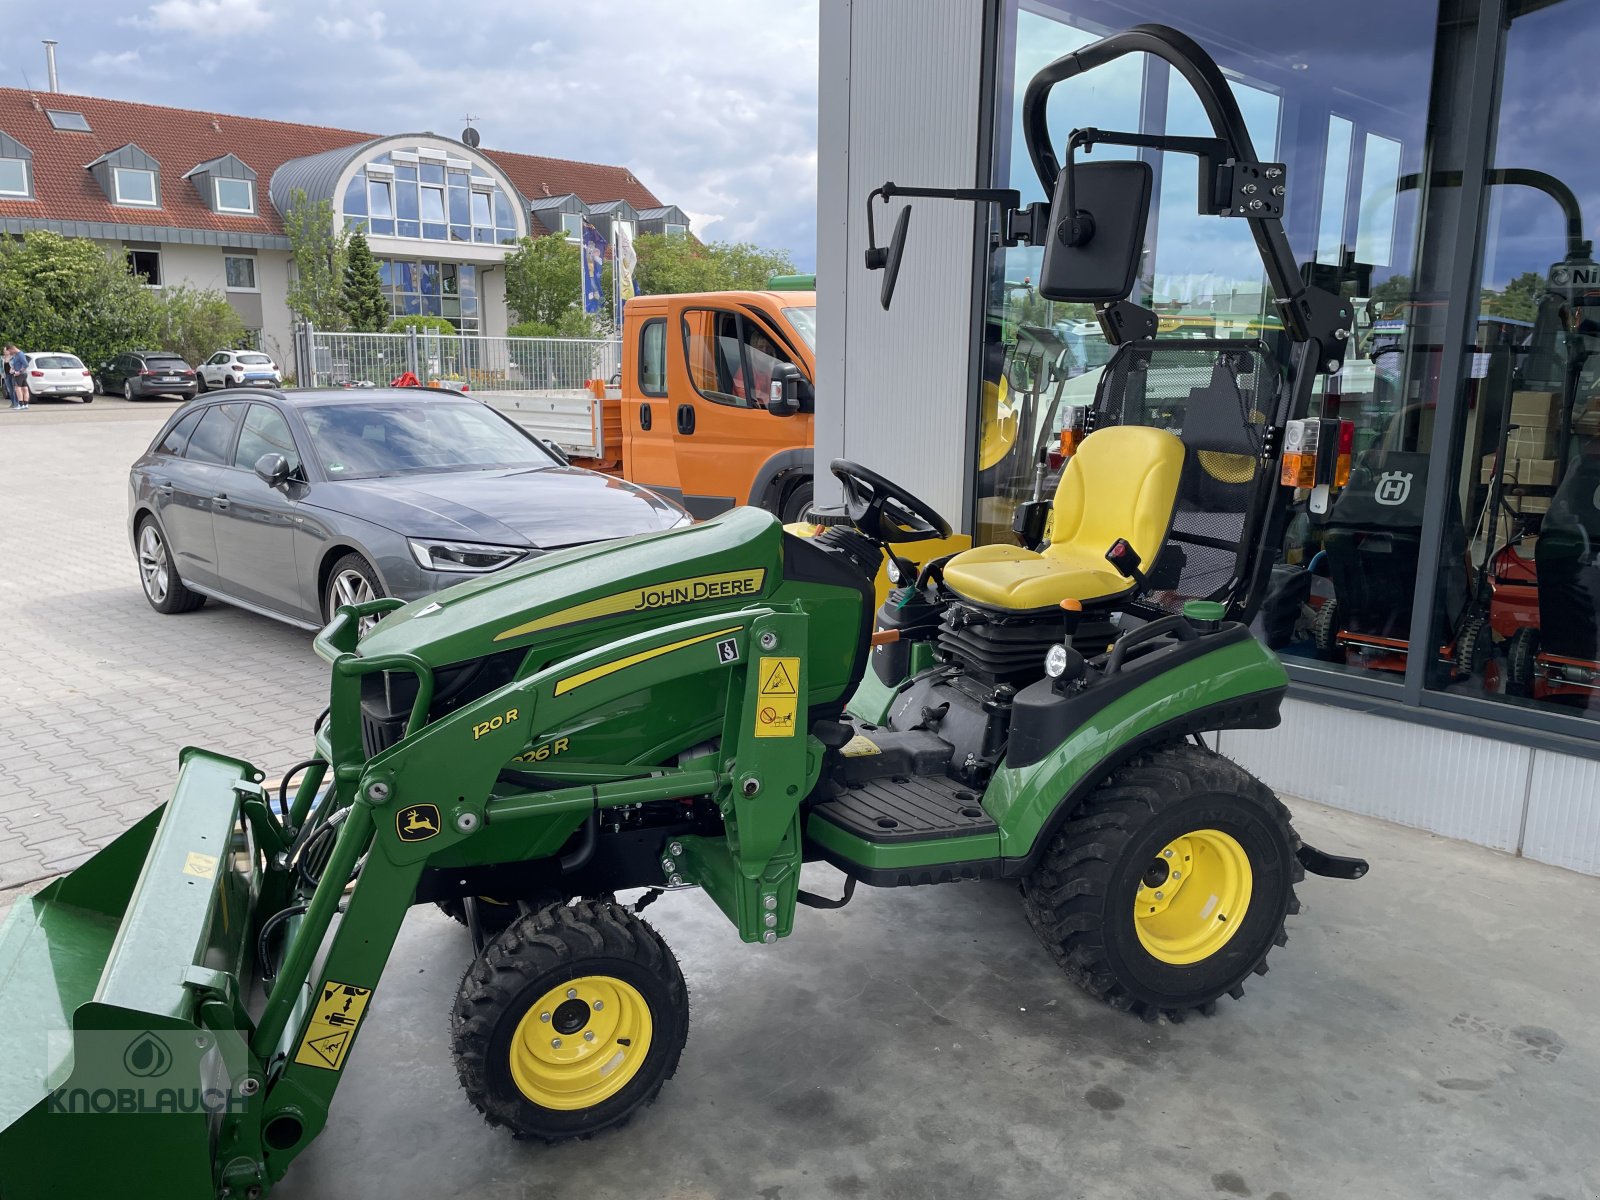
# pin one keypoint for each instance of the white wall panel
(894, 385)
(1563, 826)
(1449, 783)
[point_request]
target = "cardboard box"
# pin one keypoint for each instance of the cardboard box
(1588, 423)
(1536, 472)
(1535, 408)
(1531, 442)
(1532, 504)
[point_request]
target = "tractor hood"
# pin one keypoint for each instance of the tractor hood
(591, 594)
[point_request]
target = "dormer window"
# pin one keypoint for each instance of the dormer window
(16, 169)
(235, 195)
(134, 186)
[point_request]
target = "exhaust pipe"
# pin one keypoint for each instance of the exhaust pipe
(50, 63)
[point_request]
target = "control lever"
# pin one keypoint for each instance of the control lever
(1126, 560)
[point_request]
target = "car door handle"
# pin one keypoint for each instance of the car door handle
(686, 418)
(644, 416)
(164, 488)
(219, 502)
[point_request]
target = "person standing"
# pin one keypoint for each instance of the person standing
(17, 368)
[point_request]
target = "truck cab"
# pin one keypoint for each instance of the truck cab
(697, 372)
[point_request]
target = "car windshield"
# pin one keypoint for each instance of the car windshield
(255, 359)
(375, 439)
(57, 362)
(804, 321)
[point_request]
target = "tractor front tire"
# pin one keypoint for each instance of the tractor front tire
(1170, 885)
(570, 1021)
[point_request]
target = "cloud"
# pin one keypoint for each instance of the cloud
(115, 64)
(209, 17)
(710, 103)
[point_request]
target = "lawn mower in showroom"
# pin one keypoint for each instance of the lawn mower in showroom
(687, 709)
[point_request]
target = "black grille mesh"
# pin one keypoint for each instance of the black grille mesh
(1220, 397)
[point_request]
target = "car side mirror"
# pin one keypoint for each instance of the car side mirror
(791, 392)
(272, 469)
(561, 455)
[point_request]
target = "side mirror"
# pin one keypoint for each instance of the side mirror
(1093, 251)
(897, 248)
(791, 392)
(561, 455)
(273, 469)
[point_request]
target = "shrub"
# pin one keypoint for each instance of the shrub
(422, 325)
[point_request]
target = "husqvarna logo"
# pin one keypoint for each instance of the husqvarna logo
(1394, 487)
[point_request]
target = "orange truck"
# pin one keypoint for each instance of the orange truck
(693, 416)
(697, 375)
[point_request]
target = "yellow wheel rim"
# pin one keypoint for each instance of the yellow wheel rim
(581, 1042)
(1193, 897)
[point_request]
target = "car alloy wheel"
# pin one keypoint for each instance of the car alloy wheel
(155, 571)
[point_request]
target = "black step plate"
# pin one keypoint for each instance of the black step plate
(902, 808)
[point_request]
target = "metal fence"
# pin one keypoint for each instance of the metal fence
(483, 364)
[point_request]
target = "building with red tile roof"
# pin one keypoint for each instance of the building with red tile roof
(199, 197)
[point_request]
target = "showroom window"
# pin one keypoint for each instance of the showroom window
(135, 186)
(432, 289)
(430, 196)
(240, 271)
(145, 263)
(235, 195)
(1475, 434)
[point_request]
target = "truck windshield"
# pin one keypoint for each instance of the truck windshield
(804, 321)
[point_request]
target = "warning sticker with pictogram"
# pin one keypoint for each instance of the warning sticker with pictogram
(778, 700)
(340, 1007)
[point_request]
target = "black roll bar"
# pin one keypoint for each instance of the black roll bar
(1309, 314)
(1578, 246)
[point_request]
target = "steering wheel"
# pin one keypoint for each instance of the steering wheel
(884, 510)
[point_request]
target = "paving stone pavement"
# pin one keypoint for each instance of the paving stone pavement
(98, 691)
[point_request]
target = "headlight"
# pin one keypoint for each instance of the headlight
(467, 557)
(1055, 661)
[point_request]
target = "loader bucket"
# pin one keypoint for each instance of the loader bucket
(119, 1029)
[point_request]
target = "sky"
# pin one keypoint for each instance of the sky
(711, 103)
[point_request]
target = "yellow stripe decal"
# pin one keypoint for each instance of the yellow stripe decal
(670, 594)
(573, 682)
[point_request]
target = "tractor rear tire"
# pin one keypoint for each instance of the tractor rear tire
(570, 1021)
(1110, 904)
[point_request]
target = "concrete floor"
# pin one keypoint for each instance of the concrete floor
(1428, 1032)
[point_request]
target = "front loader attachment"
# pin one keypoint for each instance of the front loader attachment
(120, 1020)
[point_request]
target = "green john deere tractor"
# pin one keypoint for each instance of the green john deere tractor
(711, 708)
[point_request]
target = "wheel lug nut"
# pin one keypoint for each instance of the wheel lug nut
(572, 993)
(555, 1043)
(599, 1004)
(1177, 874)
(1166, 854)
(588, 1035)
(1158, 895)
(545, 1017)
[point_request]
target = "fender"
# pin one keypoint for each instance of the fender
(1239, 685)
(767, 488)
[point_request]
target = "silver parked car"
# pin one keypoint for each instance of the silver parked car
(292, 503)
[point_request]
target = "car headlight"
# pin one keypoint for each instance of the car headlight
(466, 557)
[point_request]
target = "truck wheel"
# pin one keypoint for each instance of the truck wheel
(570, 1021)
(1170, 886)
(797, 503)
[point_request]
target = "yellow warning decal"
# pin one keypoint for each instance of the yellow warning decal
(201, 866)
(339, 1009)
(669, 594)
(778, 697)
(859, 746)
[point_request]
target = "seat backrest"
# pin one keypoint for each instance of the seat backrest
(1121, 483)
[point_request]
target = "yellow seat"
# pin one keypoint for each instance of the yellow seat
(1122, 483)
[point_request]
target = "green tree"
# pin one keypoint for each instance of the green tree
(682, 264)
(421, 325)
(197, 322)
(319, 251)
(544, 280)
(366, 308)
(61, 293)
(1519, 299)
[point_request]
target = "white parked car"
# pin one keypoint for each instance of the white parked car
(58, 375)
(239, 368)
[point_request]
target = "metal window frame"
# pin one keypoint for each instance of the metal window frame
(216, 196)
(255, 279)
(116, 187)
(27, 180)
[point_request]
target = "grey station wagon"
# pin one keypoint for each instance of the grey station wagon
(292, 503)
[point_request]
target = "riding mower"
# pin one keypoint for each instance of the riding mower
(686, 709)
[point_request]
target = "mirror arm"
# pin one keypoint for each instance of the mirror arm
(1019, 225)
